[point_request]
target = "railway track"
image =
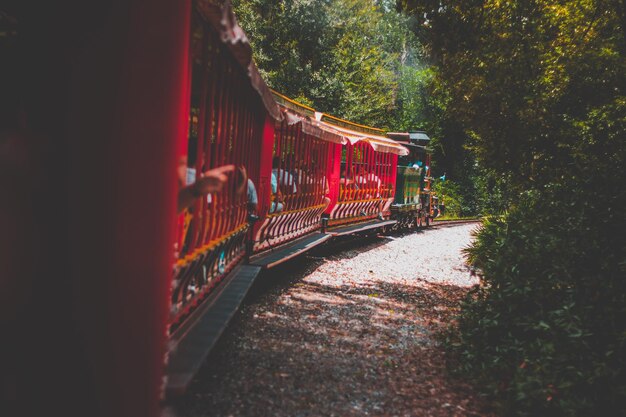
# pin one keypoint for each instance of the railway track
(454, 222)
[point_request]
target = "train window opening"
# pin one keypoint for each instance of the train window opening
(300, 187)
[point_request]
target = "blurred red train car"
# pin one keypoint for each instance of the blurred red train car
(122, 99)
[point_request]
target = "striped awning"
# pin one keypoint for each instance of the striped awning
(317, 124)
(344, 135)
(341, 135)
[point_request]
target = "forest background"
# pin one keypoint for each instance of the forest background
(526, 107)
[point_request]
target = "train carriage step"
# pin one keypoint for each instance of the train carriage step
(361, 227)
(192, 342)
(280, 254)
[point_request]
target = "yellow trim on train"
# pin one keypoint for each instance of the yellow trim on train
(210, 245)
(282, 213)
(364, 201)
(295, 103)
(353, 124)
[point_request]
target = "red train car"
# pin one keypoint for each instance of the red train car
(227, 118)
(296, 186)
(365, 168)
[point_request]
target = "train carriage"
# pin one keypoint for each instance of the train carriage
(298, 183)
(224, 120)
(231, 116)
(367, 176)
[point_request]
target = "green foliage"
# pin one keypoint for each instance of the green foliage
(493, 194)
(449, 194)
(422, 93)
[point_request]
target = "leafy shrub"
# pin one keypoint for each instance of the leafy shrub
(545, 333)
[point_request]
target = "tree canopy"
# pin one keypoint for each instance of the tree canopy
(349, 58)
(526, 78)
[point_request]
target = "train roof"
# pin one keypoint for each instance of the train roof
(334, 129)
(409, 137)
(416, 140)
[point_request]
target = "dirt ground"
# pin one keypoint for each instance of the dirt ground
(347, 330)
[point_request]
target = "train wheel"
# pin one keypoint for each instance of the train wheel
(418, 223)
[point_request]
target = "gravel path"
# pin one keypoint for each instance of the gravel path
(345, 331)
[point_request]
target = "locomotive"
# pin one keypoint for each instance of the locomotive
(415, 204)
(108, 104)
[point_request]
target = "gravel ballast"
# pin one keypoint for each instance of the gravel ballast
(347, 330)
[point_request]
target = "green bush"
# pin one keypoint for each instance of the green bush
(545, 332)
